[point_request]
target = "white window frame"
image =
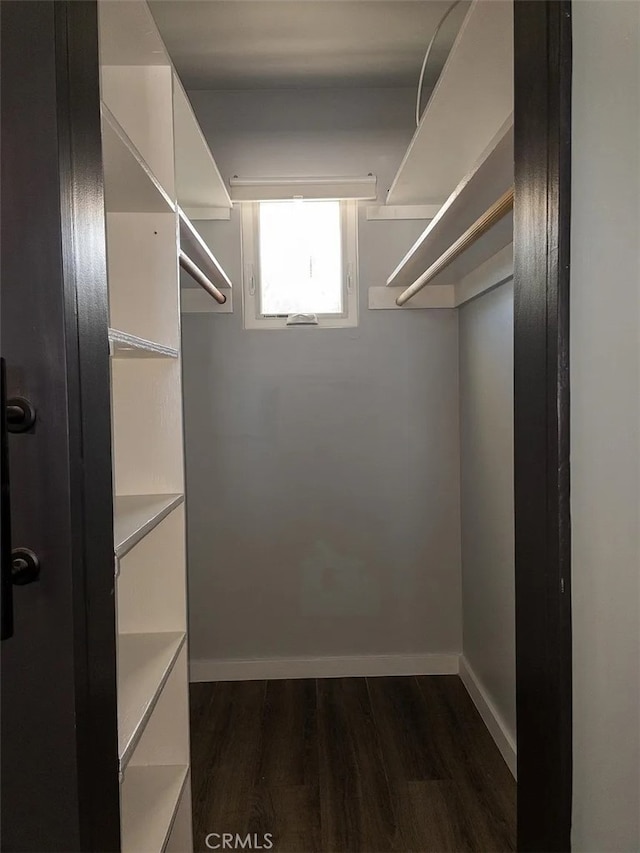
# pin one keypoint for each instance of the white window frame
(251, 271)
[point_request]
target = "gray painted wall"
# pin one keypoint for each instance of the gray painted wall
(326, 519)
(486, 442)
(308, 132)
(605, 430)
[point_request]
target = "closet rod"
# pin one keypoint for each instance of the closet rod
(488, 219)
(197, 275)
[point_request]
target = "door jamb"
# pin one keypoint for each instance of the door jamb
(542, 219)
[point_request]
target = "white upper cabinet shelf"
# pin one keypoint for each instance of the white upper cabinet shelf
(199, 185)
(143, 91)
(194, 246)
(471, 101)
(486, 182)
(136, 83)
(129, 184)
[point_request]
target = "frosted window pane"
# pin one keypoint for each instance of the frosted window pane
(300, 257)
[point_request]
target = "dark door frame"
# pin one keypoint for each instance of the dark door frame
(542, 219)
(59, 732)
(542, 39)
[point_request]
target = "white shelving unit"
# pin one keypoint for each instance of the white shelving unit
(487, 180)
(154, 156)
(472, 99)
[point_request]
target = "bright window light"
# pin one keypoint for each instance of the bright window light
(300, 257)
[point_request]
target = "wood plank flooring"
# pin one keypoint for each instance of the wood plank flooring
(349, 764)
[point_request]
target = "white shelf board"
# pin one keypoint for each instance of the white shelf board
(385, 212)
(492, 273)
(128, 34)
(495, 271)
(198, 180)
(287, 187)
(130, 185)
(384, 298)
(150, 799)
(471, 100)
(137, 515)
(194, 246)
(145, 662)
(124, 345)
(488, 179)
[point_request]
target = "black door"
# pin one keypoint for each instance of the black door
(59, 738)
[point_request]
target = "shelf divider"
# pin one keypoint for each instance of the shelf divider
(124, 345)
(137, 515)
(145, 662)
(152, 798)
(130, 185)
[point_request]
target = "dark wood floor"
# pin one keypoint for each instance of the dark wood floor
(349, 764)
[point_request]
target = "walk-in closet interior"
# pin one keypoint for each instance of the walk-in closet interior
(310, 261)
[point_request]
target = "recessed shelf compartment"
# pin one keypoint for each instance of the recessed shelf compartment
(124, 345)
(136, 82)
(150, 586)
(181, 837)
(194, 246)
(129, 184)
(145, 662)
(147, 426)
(198, 180)
(137, 515)
(471, 101)
(151, 796)
(143, 275)
(488, 179)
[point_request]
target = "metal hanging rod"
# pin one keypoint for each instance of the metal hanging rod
(488, 219)
(197, 275)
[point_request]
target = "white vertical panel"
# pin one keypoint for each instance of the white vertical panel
(147, 426)
(143, 275)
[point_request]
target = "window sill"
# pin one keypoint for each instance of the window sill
(268, 323)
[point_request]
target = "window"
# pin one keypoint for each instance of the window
(300, 263)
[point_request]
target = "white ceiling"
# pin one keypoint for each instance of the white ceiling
(256, 44)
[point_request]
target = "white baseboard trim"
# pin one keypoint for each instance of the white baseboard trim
(324, 667)
(489, 713)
